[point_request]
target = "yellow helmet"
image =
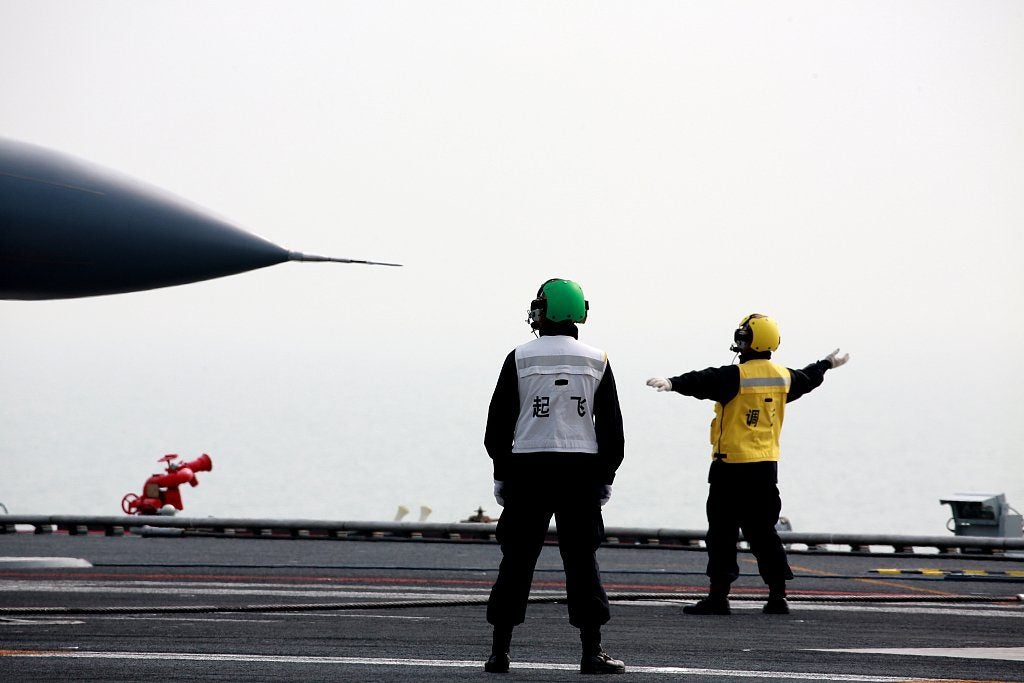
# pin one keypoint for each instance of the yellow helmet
(756, 332)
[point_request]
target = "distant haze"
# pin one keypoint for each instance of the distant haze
(853, 169)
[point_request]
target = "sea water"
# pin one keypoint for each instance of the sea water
(348, 442)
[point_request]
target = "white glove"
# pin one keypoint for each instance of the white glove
(660, 384)
(606, 494)
(836, 360)
(499, 493)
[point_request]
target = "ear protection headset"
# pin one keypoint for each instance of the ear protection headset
(756, 332)
(558, 300)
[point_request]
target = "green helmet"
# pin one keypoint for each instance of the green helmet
(558, 301)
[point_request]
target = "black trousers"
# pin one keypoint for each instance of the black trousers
(753, 506)
(521, 531)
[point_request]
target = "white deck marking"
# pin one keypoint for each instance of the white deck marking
(463, 664)
(39, 621)
(1008, 654)
(324, 592)
(278, 617)
(1012, 611)
(399, 593)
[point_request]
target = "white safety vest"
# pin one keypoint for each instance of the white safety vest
(558, 376)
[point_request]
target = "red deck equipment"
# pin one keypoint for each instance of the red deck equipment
(162, 489)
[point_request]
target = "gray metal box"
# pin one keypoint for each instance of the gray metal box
(983, 514)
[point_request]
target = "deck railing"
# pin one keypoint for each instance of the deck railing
(478, 532)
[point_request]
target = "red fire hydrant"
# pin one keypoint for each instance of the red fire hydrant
(162, 489)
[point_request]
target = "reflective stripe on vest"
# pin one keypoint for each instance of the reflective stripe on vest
(748, 427)
(558, 377)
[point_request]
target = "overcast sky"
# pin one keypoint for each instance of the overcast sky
(852, 168)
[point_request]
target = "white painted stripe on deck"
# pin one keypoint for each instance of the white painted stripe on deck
(930, 608)
(43, 621)
(1008, 654)
(43, 562)
(342, 593)
(278, 617)
(463, 664)
(334, 591)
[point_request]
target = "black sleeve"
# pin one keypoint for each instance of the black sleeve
(806, 380)
(502, 416)
(716, 384)
(608, 425)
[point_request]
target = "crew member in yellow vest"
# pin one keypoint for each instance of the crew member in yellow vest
(554, 434)
(750, 405)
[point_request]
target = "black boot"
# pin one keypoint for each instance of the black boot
(709, 605)
(776, 600)
(717, 602)
(595, 660)
(498, 662)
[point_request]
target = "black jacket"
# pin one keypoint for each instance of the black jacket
(721, 385)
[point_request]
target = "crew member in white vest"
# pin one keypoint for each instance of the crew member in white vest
(750, 404)
(554, 434)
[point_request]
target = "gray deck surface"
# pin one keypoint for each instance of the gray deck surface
(963, 623)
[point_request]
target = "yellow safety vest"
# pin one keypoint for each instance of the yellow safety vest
(747, 428)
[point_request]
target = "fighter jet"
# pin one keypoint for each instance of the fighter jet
(71, 229)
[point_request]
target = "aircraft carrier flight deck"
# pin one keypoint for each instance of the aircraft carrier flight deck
(170, 605)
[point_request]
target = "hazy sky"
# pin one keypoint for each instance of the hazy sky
(854, 169)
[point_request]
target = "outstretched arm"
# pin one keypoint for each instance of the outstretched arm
(716, 384)
(811, 377)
